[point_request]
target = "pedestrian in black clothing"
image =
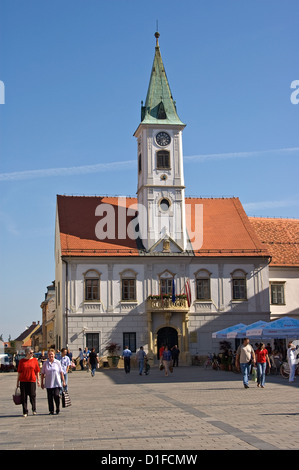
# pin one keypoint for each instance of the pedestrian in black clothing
(93, 361)
(175, 352)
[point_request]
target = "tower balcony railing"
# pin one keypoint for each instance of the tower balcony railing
(165, 302)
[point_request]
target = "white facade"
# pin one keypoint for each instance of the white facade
(156, 185)
(110, 317)
(286, 279)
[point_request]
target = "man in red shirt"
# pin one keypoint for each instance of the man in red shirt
(28, 375)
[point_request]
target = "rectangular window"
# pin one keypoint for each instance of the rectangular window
(92, 289)
(128, 289)
(166, 286)
(277, 294)
(239, 289)
(129, 339)
(92, 341)
(203, 289)
(163, 160)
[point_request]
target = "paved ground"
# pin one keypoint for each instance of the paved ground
(193, 409)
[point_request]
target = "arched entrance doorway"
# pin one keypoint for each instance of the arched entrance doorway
(166, 336)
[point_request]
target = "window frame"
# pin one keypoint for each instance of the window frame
(131, 289)
(128, 276)
(166, 278)
(203, 275)
(276, 285)
(163, 160)
(166, 286)
(130, 341)
(92, 339)
(237, 277)
(94, 276)
(94, 284)
(203, 288)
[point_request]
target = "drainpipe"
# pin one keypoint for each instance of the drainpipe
(66, 304)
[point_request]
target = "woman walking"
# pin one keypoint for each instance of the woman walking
(52, 376)
(166, 358)
(28, 376)
(262, 358)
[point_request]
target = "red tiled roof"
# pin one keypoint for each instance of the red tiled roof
(77, 223)
(280, 237)
(226, 228)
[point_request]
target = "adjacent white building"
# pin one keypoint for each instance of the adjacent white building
(281, 238)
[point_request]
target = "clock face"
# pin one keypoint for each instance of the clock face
(162, 139)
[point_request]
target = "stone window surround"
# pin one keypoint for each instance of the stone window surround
(203, 274)
(238, 274)
(128, 274)
(97, 275)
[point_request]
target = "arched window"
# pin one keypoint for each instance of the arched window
(203, 284)
(165, 282)
(128, 285)
(239, 284)
(92, 285)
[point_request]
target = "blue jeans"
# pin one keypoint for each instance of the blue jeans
(245, 369)
(141, 364)
(292, 372)
(261, 373)
(66, 381)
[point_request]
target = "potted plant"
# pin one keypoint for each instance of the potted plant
(113, 357)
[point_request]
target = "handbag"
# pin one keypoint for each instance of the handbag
(17, 398)
(65, 398)
(254, 374)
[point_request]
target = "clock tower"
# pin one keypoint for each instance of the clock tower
(161, 189)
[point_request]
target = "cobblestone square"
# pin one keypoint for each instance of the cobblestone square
(193, 409)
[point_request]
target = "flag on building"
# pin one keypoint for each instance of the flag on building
(173, 291)
(188, 291)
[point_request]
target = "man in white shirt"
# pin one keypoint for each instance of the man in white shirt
(244, 358)
(65, 364)
(292, 355)
(127, 359)
(140, 359)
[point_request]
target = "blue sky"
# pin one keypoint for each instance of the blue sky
(75, 72)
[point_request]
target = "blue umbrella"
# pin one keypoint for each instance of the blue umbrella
(242, 332)
(223, 333)
(280, 328)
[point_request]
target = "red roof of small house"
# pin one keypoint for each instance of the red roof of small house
(280, 237)
(226, 227)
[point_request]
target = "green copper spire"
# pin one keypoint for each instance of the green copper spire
(159, 105)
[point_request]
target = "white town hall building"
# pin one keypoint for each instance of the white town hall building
(162, 267)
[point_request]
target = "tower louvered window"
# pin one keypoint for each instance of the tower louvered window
(163, 160)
